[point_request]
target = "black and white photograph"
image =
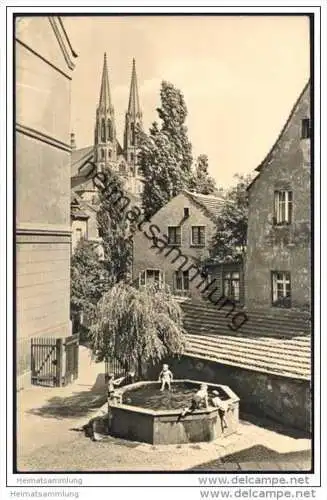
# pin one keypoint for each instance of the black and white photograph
(164, 211)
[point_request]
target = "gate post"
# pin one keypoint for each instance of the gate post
(59, 359)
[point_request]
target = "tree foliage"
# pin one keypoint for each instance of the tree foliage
(201, 181)
(89, 281)
(115, 229)
(137, 325)
(165, 155)
(229, 242)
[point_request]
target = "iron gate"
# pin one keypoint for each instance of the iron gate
(54, 362)
(115, 367)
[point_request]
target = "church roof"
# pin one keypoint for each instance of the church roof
(80, 158)
(211, 204)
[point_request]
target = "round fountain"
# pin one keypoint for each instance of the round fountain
(141, 412)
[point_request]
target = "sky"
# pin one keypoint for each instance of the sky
(240, 77)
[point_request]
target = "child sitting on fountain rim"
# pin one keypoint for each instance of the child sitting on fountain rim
(200, 399)
(165, 377)
(111, 385)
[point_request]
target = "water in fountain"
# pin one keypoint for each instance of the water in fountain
(149, 396)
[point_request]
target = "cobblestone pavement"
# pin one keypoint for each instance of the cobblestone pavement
(48, 439)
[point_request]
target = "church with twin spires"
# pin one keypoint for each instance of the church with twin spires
(106, 151)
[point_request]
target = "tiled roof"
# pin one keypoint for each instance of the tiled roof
(210, 203)
(289, 358)
(277, 345)
(80, 157)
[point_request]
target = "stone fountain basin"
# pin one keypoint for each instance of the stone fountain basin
(164, 427)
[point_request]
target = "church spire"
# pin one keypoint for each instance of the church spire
(105, 97)
(134, 103)
(133, 121)
(105, 128)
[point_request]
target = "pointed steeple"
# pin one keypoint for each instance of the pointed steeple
(105, 129)
(133, 121)
(134, 103)
(105, 97)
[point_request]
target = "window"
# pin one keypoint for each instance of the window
(78, 234)
(186, 212)
(103, 130)
(232, 285)
(151, 276)
(109, 127)
(281, 289)
(182, 280)
(132, 156)
(174, 235)
(122, 169)
(109, 153)
(306, 129)
(132, 134)
(102, 154)
(198, 236)
(283, 207)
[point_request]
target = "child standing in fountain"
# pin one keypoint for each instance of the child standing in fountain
(165, 377)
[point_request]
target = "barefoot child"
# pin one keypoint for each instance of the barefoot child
(165, 377)
(199, 400)
(223, 407)
(111, 385)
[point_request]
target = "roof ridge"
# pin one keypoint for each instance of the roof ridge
(290, 116)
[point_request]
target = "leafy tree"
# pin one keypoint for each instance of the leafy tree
(173, 113)
(201, 181)
(115, 229)
(165, 154)
(229, 242)
(137, 326)
(89, 281)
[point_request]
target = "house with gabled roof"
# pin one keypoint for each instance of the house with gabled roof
(172, 247)
(278, 264)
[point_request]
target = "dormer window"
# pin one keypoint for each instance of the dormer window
(186, 212)
(306, 129)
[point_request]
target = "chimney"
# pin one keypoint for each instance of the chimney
(72, 141)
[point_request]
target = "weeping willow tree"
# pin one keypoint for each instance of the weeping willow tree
(137, 326)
